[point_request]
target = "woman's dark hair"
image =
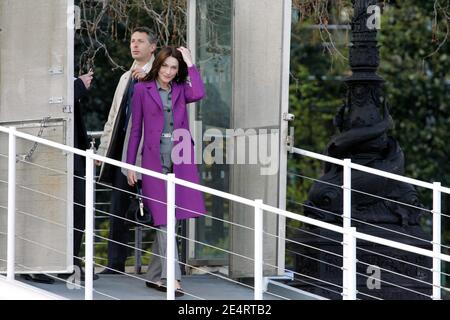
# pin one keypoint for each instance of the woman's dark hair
(162, 55)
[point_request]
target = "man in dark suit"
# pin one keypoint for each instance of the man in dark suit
(81, 141)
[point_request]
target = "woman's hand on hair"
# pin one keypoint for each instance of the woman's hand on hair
(186, 56)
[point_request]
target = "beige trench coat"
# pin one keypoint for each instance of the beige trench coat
(105, 140)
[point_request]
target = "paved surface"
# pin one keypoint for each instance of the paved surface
(132, 287)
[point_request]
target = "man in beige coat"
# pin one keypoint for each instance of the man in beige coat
(114, 142)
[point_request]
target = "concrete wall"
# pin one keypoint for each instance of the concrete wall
(35, 66)
(257, 66)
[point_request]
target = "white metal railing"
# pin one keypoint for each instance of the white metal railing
(89, 228)
(11, 206)
(350, 235)
(436, 187)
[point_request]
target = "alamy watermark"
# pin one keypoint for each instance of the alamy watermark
(374, 20)
(374, 279)
(231, 146)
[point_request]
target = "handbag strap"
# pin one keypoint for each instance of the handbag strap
(138, 187)
(138, 190)
(139, 193)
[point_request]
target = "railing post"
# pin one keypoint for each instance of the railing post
(347, 194)
(170, 236)
(11, 253)
(436, 240)
(349, 261)
(89, 232)
(349, 243)
(259, 267)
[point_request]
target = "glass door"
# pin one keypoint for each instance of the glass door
(243, 57)
(213, 36)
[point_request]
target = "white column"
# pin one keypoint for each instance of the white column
(89, 232)
(259, 267)
(349, 241)
(349, 260)
(347, 194)
(11, 253)
(436, 240)
(171, 237)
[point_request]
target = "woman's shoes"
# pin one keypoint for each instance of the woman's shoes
(179, 292)
(162, 288)
(155, 286)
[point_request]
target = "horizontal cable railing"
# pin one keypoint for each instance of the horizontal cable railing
(436, 213)
(360, 192)
(107, 187)
(350, 235)
(127, 245)
(358, 220)
(364, 222)
(377, 172)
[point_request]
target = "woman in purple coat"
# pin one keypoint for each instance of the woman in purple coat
(160, 117)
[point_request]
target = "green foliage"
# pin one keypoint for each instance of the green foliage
(316, 92)
(417, 88)
(415, 63)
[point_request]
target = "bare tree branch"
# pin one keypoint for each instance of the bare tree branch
(103, 20)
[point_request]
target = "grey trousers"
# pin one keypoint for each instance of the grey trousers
(157, 268)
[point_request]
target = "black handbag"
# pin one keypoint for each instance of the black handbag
(137, 211)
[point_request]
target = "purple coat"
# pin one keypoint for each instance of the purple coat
(147, 111)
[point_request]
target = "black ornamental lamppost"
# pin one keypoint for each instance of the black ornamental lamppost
(363, 123)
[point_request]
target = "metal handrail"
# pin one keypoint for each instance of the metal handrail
(350, 234)
(436, 187)
(377, 172)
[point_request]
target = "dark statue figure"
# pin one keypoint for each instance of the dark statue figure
(369, 146)
(363, 123)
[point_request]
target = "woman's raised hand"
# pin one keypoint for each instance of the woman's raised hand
(186, 56)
